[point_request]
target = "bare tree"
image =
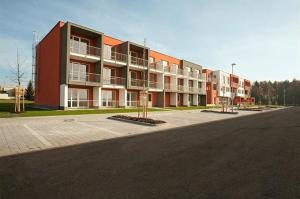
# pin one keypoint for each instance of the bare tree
(17, 70)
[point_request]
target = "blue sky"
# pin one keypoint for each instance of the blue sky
(261, 36)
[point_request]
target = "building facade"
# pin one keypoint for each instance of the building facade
(223, 86)
(78, 67)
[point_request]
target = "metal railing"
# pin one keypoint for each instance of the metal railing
(192, 74)
(155, 85)
(137, 83)
(202, 76)
(180, 87)
(167, 69)
(84, 77)
(115, 56)
(80, 103)
(110, 103)
(180, 71)
(138, 61)
(169, 87)
(114, 81)
(132, 103)
(82, 48)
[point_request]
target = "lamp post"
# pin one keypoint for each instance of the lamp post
(232, 96)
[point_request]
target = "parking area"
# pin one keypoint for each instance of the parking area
(21, 135)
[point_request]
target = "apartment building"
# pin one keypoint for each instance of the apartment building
(223, 86)
(78, 67)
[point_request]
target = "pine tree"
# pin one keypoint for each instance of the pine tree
(29, 91)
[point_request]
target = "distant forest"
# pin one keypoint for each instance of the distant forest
(276, 93)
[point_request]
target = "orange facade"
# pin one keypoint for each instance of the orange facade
(48, 76)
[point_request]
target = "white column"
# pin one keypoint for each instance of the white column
(97, 97)
(173, 100)
(63, 96)
(185, 99)
(122, 97)
(195, 99)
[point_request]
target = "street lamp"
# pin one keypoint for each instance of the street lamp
(232, 96)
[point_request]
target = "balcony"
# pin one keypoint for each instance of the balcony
(115, 58)
(81, 78)
(137, 83)
(82, 51)
(180, 88)
(156, 67)
(202, 77)
(169, 87)
(201, 91)
(138, 63)
(155, 85)
(182, 72)
(115, 82)
(193, 75)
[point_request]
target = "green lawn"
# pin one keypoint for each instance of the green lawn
(7, 108)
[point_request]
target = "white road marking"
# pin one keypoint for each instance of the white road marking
(39, 137)
(100, 128)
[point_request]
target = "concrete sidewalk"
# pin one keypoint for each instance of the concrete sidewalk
(20, 135)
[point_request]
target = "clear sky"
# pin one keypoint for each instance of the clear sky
(261, 36)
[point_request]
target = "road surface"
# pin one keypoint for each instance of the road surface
(256, 156)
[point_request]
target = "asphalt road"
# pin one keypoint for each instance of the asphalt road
(256, 156)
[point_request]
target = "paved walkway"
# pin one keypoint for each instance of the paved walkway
(20, 135)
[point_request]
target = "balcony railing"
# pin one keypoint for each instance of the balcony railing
(180, 71)
(115, 56)
(132, 103)
(155, 85)
(180, 88)
(84, 77)
(110, 103)
(83, 49)
(137, 83)
(138, 61)
(156, 66)
(202, 76)
(167, 69)
(193, 74)
(191, 89)
(167, 86)
(114, 81)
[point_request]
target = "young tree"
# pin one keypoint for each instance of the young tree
(29, 95)
(17, 70)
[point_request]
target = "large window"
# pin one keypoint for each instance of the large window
(108, 98)
(79, 45)
(77, 98)
(78, 72)
(131, 98)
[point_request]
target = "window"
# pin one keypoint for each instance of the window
(165, 63)
(79, 45)
(78, 72)
(199, 85)
(77, 98)
(133, 74)
(215, 86)
(224, 79)
(131, 99)
(108, 98)
(151, 60)
(149, 97)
